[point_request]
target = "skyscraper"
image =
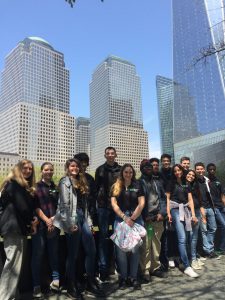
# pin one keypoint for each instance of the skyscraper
(165, 88)
(34, 103)
(199, 94)
(116, 113)
(82, 135)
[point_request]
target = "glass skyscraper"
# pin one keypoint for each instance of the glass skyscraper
(116, 112)
(165, 90)
(34, 103)
(199, 92)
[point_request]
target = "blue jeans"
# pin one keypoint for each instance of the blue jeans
(208, 231)
(194, 235)
(128, 260)
(103, 243)
(84, 235)
(39, 241)
(181, 236)
(220, 220)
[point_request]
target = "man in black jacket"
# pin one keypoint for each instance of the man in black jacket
(105, 177)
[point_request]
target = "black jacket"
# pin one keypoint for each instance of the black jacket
(18, 207)
(105, 177)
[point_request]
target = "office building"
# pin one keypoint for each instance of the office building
(82, 126)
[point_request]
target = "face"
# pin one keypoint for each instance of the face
(166, 163)
(27, 170)
(155, 167)
(110, 155)
(186, 164)
(147, 170)
(200, 170)
(128, 174)
(73, 169)
(212, 170)
(84, 165)
(190, 176)
(47, 172)
(178, 172)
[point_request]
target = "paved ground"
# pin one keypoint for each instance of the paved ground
(210, 285)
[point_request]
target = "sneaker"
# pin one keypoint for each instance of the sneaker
(171, 264)
(73, 292)
(190, 272)
(144, 279)
(202, 258)
(37, 294)
(136, 284)
(104, 278)
(195, 265)
(200, 262)
(122, 284)
(54, 285)
(159, 273)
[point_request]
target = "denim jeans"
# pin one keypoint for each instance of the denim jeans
(84, 235)
(103, 243)
(39, 241)
(220, 220)
(128, 261)
(208, 231)
(194, 235)
(181, 236)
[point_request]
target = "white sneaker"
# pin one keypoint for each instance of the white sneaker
(200, 263)
(195, 265)
(171, 264)
(190, 272)
(202, 258)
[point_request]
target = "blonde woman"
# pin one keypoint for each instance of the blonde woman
(127, 202)
(17, 203)
(73, 206)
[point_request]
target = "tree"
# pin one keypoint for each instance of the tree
(72, 2)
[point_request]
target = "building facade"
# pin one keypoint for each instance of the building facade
(165, 89)
(116, 113)
(199, 93)
(7, 161)
(34, 103)
(82, 135)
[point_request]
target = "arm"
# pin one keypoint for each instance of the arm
(43, 217)
(139, 208)
(168, 206)
(191, 205)
(163, 203)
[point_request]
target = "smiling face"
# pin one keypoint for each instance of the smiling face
(73, 169)
(166, 163)
(128, 174)
(200, 170)
(110, 156)
(190, 176)
(178, 172)
(47, 172)
(186, 164)
(212, 171)
(27, 170)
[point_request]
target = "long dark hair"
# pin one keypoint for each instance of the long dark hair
(80, 181)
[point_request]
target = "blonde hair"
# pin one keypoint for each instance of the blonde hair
(80, 181)
(17, 175)
(119, 184)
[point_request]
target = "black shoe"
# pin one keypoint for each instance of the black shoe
(159, 273)
(136, 284)
(144, 279)
(104, 277)
(122, 284)
(73, 292)
(93, 288)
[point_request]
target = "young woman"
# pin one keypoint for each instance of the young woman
(127, 202)
(73, 206)
(47, 234)
(17, 202)
(180, 210)
(191, 178)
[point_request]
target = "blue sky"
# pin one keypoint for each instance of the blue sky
(137, 30)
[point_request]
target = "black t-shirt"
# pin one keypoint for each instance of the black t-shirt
(206, 198)
(165, 175)
(178, 192)
(216, 190)
(128, 198)
(196, 195)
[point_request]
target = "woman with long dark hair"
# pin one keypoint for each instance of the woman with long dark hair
(127, 202)
(180, 210)
(17, 221)
(47, 234)
(191, 178)
(73, 206)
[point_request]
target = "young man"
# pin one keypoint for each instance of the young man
(165, 169)
(218, 197)
(153, 215)
(105, 177)
(185, 163)
(208, 223)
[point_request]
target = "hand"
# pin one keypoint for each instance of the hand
(169, 218)
(35, 221)
(204, 221)
(194, 219)
(51, 228)
(74, 228)
(49, 222)
(129, 222)
(159, 218)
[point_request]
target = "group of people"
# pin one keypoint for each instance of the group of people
(175, 204)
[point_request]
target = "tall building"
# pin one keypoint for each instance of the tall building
(199, 93)
(34, 103)
(116, 113)
(165, 87)
(82, 135)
